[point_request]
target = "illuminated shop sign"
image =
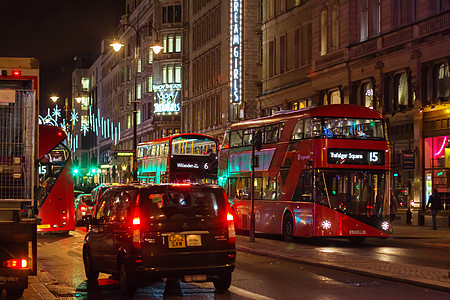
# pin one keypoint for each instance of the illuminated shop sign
(167, 98)
(355, 157)
(235, 51)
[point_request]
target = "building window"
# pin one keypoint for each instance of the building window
(297, 48)
(335, 27)
(306, 44)
(282, 54)
(164, 74)
(367, 95)
(170, 43)
(150, 55)
(403, 12)
(85, 83)
(170, 73)
(178, 43)
(138, 116)
(139, 91)
(271, 58)
(370, 19)
(171, 13)
(443, 81)
(402, 90)
(177, 73)
(335, 97)
(323, 32)
(300, 104)
(139, 66)
(150, 84)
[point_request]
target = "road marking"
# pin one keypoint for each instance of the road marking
(247, 294)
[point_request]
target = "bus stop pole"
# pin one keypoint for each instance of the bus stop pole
(252, 199)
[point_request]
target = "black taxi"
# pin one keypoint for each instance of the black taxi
(144, 233)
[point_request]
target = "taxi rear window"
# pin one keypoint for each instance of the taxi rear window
(192, 202)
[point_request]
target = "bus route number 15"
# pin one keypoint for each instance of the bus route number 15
(373, 156)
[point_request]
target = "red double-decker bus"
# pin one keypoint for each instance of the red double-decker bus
(185, 157)
(54, 197)
(321, 172)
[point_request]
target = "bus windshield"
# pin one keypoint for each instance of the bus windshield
(350, 128)
(193, 146)
(353, 192)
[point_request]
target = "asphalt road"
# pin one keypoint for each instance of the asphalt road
(256, 277)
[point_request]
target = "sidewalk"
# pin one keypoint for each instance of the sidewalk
(322, 256)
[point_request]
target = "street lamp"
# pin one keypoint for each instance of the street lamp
(66, 106)
(156, 47)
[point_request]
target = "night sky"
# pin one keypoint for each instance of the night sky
(54, 32)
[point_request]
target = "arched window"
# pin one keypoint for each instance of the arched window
(443, 81)
(388, 94)
(323, 32)
(402, 90)
(367, 95)
(335, 97)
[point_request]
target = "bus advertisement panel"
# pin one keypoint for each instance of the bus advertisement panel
(321, 172)
(184, 157)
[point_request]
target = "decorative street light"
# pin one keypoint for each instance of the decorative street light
(156, 48)
(55, 98)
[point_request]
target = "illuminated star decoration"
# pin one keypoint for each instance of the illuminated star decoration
(74, 117)
(56, 112)
(84, 128)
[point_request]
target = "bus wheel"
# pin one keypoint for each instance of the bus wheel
(357, 240)
(288, 228)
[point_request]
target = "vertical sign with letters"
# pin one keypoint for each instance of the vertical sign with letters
(235, 51)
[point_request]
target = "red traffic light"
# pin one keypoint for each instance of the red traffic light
(16, 73)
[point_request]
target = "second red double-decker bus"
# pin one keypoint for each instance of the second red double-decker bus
(185, 157)
(54, 197)
(321, 172)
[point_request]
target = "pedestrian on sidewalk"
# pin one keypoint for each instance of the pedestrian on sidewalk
(393, 207)
(434, 203)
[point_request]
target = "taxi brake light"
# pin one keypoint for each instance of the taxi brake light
(16, 73)
(229, 217)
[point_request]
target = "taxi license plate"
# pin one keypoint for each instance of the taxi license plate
(357, 231)
(177, 241)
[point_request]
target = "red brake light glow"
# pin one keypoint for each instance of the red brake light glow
(15, 263)
(136, 221)
(229, 217)
(16, 73)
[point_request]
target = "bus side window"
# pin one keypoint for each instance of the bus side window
(316, 126)
(297, 134)
(236, 138)
(247, 137)
(281, 180)
(303, 191)
(307, 132)
(232, 188)
(226, 140)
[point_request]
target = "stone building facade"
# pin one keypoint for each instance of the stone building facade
(387, 55)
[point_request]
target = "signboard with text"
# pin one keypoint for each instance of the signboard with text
(167, 98)
(355, 157)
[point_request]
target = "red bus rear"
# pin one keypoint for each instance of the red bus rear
(321, 172)
(55, 198)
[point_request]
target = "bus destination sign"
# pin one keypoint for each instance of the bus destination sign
(355, 157)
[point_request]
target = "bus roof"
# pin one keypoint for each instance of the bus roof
(333, 110)
(183, 135)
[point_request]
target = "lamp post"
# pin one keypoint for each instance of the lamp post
(156, 48)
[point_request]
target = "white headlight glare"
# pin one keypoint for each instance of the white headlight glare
(385, 225)
(326, 224)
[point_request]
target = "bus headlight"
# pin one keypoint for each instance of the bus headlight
(326, 224)
(385, 225)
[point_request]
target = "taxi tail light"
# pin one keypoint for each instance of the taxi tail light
(15, 264)
(230, 222)
(136, 227)
(83, 208)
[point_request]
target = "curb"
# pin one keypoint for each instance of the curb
(380, 275)
(37, 290)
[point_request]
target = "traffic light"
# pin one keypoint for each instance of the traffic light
(75, 171)
(93, 170)
(258, 140)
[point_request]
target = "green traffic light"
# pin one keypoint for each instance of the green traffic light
(75, 171)
(93, 170)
